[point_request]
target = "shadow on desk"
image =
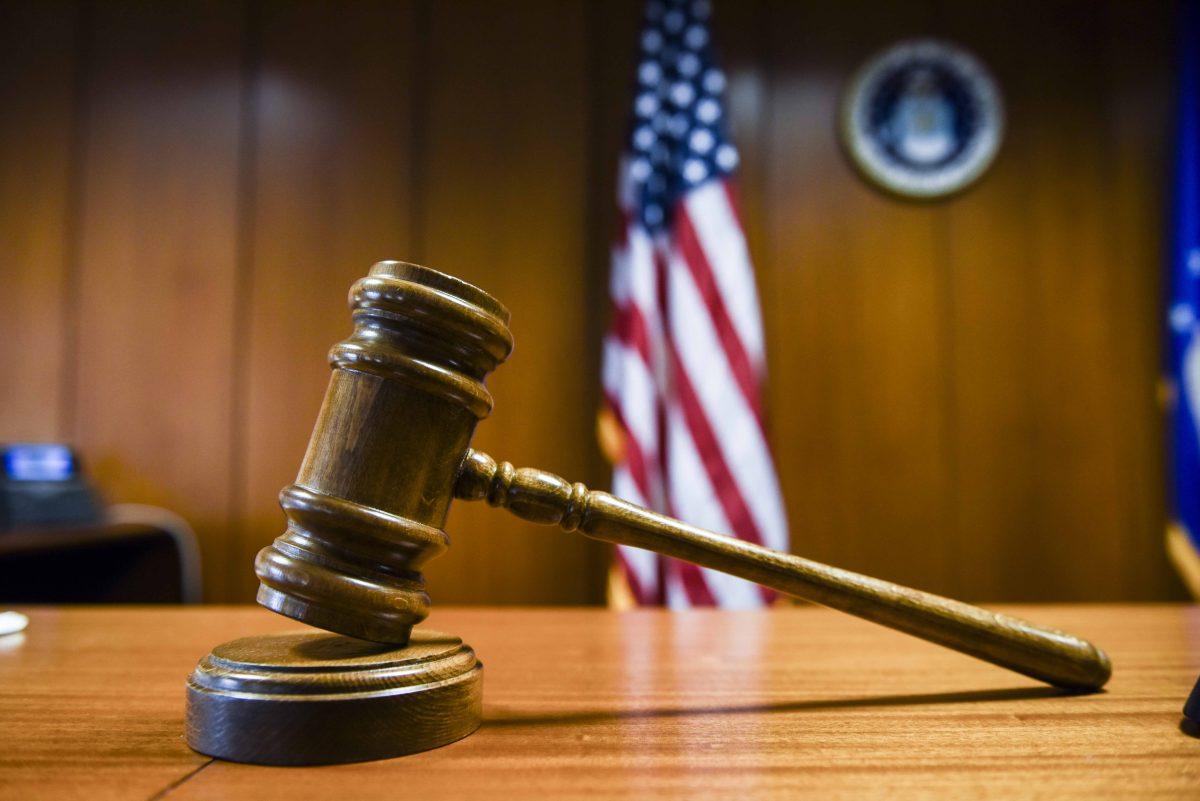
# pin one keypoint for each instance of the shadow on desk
(922, 699)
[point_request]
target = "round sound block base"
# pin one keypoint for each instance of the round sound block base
(315, 698)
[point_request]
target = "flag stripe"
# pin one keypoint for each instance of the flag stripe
(685, 579)
(698, 591)
(720, 237)
(676, 594)
(640, 567)
(633, 459)
(702, 274)
(633, 575)
(724, 486)
(630, 328)
(739, 440)
(692, 498)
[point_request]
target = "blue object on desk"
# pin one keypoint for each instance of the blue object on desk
(42, 486)
(39, 462)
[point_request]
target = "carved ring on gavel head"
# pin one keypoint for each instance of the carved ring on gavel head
(390, 449)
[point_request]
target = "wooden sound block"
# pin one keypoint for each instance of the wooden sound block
(312, 698)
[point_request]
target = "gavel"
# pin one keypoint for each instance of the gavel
(391, 448)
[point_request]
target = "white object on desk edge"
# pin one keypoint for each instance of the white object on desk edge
(12, 623)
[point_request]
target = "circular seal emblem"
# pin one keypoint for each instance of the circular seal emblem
(922, 119)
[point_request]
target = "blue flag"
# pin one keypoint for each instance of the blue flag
(1183, 312)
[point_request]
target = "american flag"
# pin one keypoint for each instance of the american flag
(683, 360)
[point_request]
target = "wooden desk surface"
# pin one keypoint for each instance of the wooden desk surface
(587, 703)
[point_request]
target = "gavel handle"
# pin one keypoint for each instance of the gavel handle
(1044, 654)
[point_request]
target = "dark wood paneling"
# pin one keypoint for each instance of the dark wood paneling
(157, 263)
(39, 51)
(331, 193)
(1053, 271)
(1138, 115)
(992, 277)
(504, 197)
(852, 288)
(961, 392)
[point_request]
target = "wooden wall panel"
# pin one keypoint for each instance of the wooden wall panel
(1055, 320)
(1139, 38)
(504, 196)
(38, 58)
(155, 350)
(852, 287)
(328, 198)
(961, 393)
(992, 279)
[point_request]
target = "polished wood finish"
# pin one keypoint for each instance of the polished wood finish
(1044, 654)
(951, 387)
(314, 698)
(594, 704)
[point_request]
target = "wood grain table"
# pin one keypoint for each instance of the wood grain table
(583, 703)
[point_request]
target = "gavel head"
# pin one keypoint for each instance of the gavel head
(368, 506)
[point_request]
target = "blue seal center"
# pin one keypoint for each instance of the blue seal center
(923, 116)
